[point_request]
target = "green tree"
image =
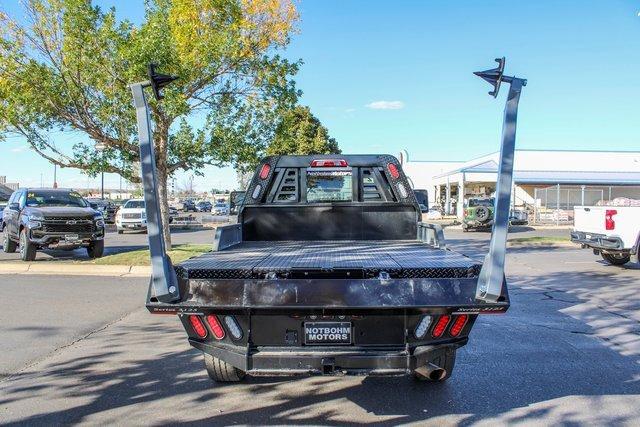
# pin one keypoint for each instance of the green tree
(300, 132)
(65, 71)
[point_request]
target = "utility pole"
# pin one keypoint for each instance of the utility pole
(55, 176)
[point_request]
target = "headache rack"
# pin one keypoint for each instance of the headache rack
(423, 275)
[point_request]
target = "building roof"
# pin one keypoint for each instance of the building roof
(5, 192)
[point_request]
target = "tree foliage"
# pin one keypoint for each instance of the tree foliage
(65, 72)
(300, 132)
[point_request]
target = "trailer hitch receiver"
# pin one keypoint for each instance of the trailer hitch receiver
(491, 279)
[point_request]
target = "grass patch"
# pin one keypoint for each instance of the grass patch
(141, 257)
(541, 240)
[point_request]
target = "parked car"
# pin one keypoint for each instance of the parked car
(204, 206)
(107, 208)
(236, 199)
(43, 218)
(433, 214)
(131, 216)
(613, 232)
(518, 217)
(220, 209)
(189, 206)
(478, 214)
(173, 213)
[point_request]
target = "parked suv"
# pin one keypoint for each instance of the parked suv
(131, 216)
(478, 213)
(42, 218)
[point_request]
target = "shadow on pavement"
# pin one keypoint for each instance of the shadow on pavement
(564, 349)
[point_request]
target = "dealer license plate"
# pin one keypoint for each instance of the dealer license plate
(327, 332)
(71, 237)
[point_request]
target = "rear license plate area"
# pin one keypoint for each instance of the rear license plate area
(329, 333)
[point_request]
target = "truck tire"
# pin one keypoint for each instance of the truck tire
(616, 259)
(8, 245)
(447, 361)
(27, 249)
(220, 371)
(120, 231)
(96, 249)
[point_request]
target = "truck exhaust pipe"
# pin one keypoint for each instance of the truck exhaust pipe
(431, 371)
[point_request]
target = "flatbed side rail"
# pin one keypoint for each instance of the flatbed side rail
(227, 236)
(491, 280)
(432, 234)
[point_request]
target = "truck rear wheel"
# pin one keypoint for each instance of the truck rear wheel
(96, 249)
(222, 372)
(616, 258)
(446, 361)
(27, 249)
(8, 245)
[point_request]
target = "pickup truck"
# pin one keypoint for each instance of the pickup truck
(41, 218)
(329, 269)
(325, 275)
(613, 232)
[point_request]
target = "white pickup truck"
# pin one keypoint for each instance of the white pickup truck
(611, 231)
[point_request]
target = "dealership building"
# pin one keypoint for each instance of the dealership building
(547, 183)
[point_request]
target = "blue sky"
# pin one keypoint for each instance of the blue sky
(581, 59)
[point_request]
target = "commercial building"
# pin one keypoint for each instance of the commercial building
(548, 183)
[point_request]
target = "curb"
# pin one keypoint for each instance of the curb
(74, 269)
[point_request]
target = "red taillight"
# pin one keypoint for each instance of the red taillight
(440, 327)
(393, 170)
(329, 163)
(216, 327)
(264, 172)
(458, 325)
(609, 222)
(198, 326)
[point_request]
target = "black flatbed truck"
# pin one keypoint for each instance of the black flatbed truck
(329, 269)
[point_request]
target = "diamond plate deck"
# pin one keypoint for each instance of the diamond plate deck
(401, 259)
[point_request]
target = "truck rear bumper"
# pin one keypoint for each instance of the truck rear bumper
(598, 241)
(287, 361)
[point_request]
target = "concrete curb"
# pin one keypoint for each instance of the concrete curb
(74, 269)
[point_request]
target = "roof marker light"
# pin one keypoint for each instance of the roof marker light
(329, 163)
(264, 172)
(393, 170)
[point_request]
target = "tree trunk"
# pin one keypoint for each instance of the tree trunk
(164, 206)
(161, 139)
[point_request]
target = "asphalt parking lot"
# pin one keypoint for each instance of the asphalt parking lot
(80, 349)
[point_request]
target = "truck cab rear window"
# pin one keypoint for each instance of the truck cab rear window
(329, 186)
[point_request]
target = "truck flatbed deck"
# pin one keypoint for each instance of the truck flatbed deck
(367, 259)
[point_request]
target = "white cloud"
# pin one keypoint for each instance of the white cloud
(19, 149)
(385, 105)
